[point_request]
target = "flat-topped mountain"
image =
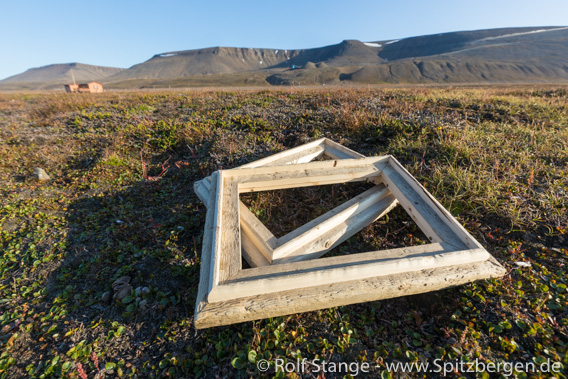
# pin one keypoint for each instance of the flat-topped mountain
(213, 60)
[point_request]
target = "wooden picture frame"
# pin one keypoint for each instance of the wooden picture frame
(228, 293)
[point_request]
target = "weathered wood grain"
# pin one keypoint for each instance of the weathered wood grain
(338, 294)
(302, 236)
(205, 279)
(330, 240)
(297, 276)
(227, 224)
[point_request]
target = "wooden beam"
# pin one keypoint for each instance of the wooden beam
(202, 188)
(330, 240)
(309, 174)
(344, 293)
(462, 235)
(297, 277)
(336, 151)
(304, 235)
(303, 156)
(227, 260)
(205, 279)
(251, 253)
(327, 167)
(257, 233)
(283, 156)
(419, 208)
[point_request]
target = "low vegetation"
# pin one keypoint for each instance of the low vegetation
(120, 203)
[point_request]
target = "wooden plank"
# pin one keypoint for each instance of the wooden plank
(304, 235)
(201, 189)
(420, 209)
(340, 233)
(217, 193)
(345, 260)
(303, 156)
(328, 166)
(251, 253)
(338, 294)
(228, 247)
(302, 278)
(255, 257)
(205, 283)
(309, 174)
(298, 182)
(337, 151)
(257, 233)
(281, 156)
(444, 214)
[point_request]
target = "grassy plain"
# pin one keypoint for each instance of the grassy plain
(497, 158)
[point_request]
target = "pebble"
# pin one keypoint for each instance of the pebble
(122, 292)
(40, 174)
(121, 288)
(120, 282)
(106, 297)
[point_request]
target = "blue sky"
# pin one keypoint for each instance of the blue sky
(121, 33)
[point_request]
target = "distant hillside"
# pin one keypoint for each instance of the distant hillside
(511, 55)
(507, 55)
(62, 73)
(214, 60)
(346, 53)
(223, 60)
(445, 43)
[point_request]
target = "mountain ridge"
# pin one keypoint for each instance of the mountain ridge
(64, 71)
(501, 55)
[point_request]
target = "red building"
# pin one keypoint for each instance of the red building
(92, 87)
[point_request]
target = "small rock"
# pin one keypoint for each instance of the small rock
(145, 290)
(122, 292)
(120, 282)
(522, 264)
(40, 174)
(105, 298)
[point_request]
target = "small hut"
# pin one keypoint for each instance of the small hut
(92, 87)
